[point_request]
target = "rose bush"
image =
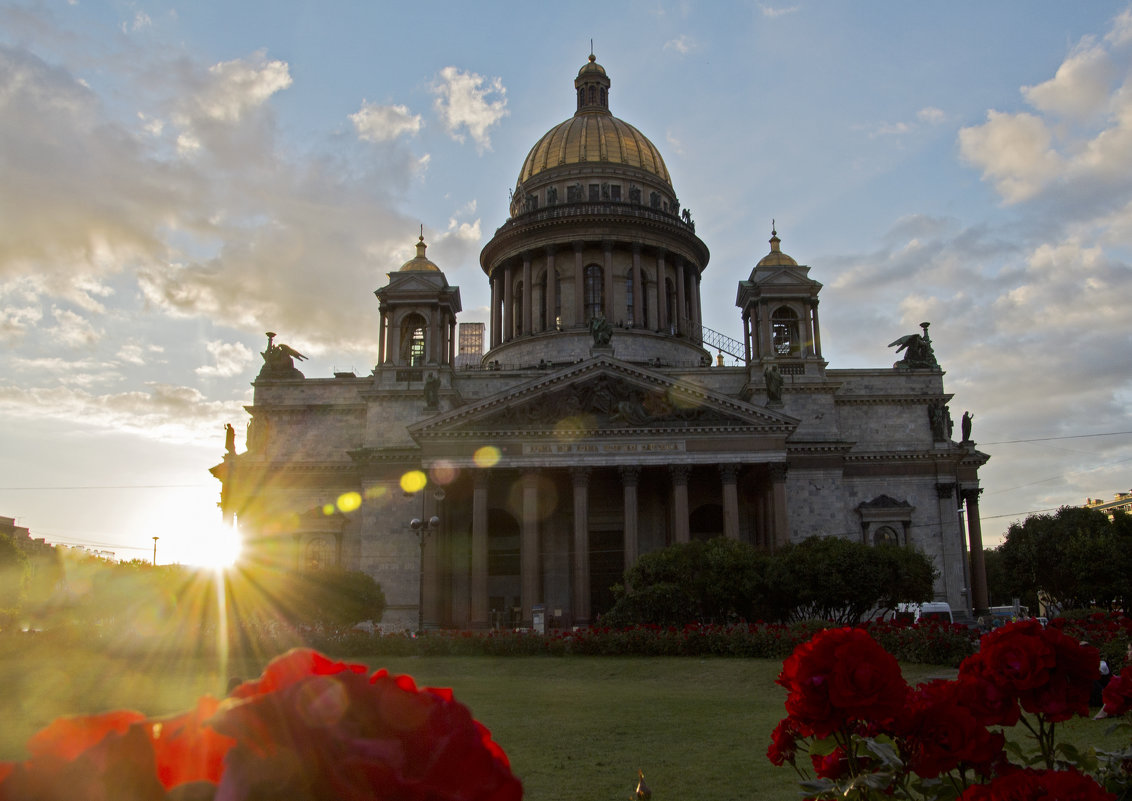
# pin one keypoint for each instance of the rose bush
(308, 728)
(868, 735)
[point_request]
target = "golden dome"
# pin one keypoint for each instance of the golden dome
(592, 138)
(419, 263)
(593, 135)
(776, 258)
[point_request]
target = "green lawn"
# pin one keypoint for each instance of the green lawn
(574, 727)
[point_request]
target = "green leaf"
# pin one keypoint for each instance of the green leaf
(823, 747)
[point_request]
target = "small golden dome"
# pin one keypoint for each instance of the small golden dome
(593, 135)
(419, 263)
(776, 258)
(591, 66)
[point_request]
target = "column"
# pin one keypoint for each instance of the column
(528, 293)
(607, 279)
(978, 562)
(479, 605)
(581, 584)
(433, 355)
(579, 286)
(728, 474)
(681, 319)
(382, 332)
(530, 561)
(551, 289)
(679, 474)
(629, 477)
(747, 338)
(508, 304)
(661, 299)
(817, 331)
(780, 533)
(639, 320)
(767, 348)
(697, 321)
(496, 309)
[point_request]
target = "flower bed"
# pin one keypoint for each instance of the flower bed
(855, 729)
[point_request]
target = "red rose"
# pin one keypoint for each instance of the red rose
(1038, 785)
(838, 677)
(940, 733)
(1117, 694)
(1017, 655)
(989, 701)
(833, 765)
(783, 746)
(1066, 690)
(322, 730)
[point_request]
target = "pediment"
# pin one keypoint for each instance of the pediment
(413, 282)
(786, 277)
(605, 396)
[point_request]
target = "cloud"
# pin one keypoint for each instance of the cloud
(375, 123)
(229, 359)
(72, 330)
(930, 115)
(462, 102)
(164, 412)
(233, 88)
(774, 12)
(681, 44)
(1081, 86)
(1015, 152)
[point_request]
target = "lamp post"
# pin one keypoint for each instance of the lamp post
(155, 551)
(422, 528)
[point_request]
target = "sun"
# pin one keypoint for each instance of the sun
(214, 546)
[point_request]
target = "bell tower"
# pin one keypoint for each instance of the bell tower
(418, 316)
(779, 304)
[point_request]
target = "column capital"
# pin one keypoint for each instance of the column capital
(945, 489)
(481, 477)
(971, 494)
(679, 473)
(630, 473)
(729, 472)
(580, 475)
(777, 472)
(579, 245)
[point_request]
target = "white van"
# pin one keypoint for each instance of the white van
(934, 611)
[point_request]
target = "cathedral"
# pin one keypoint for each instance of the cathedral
(515, 487)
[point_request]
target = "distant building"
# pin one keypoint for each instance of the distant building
(595, 428)
(471, 345)
(1121, 503)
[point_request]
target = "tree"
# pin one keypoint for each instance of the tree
(831, 578)
(335, 598)
(700, 581)
(13, 580)
(1075, 558)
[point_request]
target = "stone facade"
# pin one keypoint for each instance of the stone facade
(595, 428)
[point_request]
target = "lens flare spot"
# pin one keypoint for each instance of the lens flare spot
(414, 481)
(373, 493)
(328, 509)
(349, 501)
(487, 456)
(444, 473)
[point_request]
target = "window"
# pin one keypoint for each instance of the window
(595, 193)
(629, 298)
(886, 535)
(615, 193)
(413, 341)
(318, 554)
(540, 301)
(670, 304)
(595, 279)
(784, 331)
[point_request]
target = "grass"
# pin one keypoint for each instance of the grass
(574, 727)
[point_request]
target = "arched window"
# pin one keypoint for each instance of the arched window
(593, 95)
(595, 291)
(784, 330)
(317, 555)
(413, 341)
(517, 308)
(886, 535)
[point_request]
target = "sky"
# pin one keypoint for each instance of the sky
(178, 178)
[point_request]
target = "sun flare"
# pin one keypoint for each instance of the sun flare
(216, 547)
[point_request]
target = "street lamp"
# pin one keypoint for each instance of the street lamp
(422, 528)
(155, 551)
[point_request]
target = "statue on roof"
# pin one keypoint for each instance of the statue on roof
(773, 377)
(279, 360)
(918, 351)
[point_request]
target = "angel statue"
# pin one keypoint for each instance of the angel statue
(918, 352)
(279, 360)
